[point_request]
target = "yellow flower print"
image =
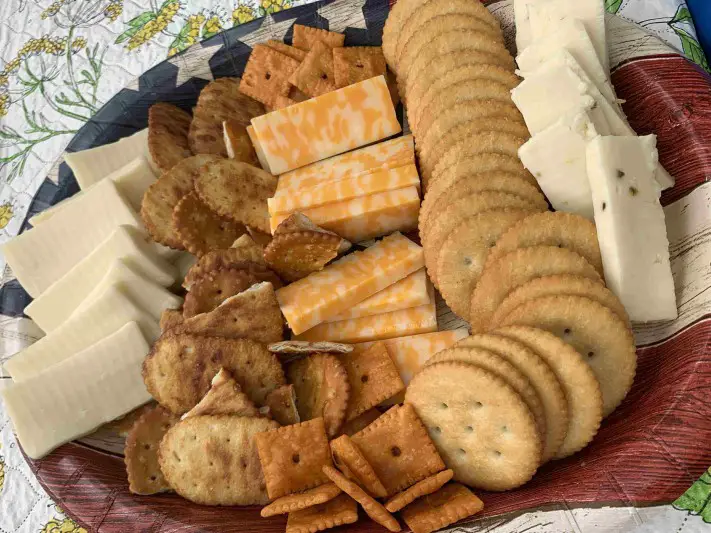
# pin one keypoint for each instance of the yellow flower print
(113, 10)
(148, 25)
(6, 213)
(2, 472)
(53, 9)
(274, 6)
(242, 14)
(64, 525)
(212, 26)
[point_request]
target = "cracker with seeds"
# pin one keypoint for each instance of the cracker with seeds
(208, 292)
(212, 460)
(322, 389)
(421, 488)
(225, 397)
(179, 369)
(399, 449)
(237, 191)
(248, 256)
(291, 51)
(351, 461)
(314, 76)
(359, 423)
(357, 63)
(141, 453)
(373, 378)
(281, 403)
(448, 505)
(266, 74)
(292, 457)
(168, 127)
(301, 500)
(238, 145)
(305, 37)
(480, 425)
(339, 511)
(170, 318)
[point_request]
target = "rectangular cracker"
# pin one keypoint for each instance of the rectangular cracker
(336, 512)
(314, 76)
(357, 63)
(266, 75)
(291, 51)
(305, 37)
(448, 505)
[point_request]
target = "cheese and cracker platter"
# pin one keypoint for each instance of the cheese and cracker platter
(392, 278)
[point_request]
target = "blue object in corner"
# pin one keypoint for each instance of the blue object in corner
(701, 13)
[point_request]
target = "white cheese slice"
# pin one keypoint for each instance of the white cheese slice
(42, 255)
(129, 244)
(76, 396)
(630, 225)
(523, 23)
(92, 165)
(184, 263)
(556, 157)
(109, 312)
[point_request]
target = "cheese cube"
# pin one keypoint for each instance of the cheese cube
(42, 255)
(258, 149)
(411, 291)
(556, 157)
(327, 125)
(394, 153)
(132, 246)
(108, 313)
(630, 225)
(345, 189)
(73, 398)
(367, 217)
(348, 281)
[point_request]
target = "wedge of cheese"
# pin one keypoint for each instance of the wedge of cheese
(327, 125)
(367, 217)
(394, 153)
(108, 313)
(411, 291)
(348, 281)
(74, 397)
(258, 149)
(44, 254)
(127, 243)
(405, 322)
(380, 180)
(92, 165)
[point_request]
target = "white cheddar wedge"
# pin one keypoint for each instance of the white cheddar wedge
(92, 165)
(147, 294)
(127, 243)
(73, 398)
(42, 255)
(108, 313)
(556, 157)
(258, 149)
(630, 225)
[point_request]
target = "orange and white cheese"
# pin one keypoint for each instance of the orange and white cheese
(258, 149)
(348, 281)
(327, 125)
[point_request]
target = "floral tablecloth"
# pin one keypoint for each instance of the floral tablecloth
(61, 60)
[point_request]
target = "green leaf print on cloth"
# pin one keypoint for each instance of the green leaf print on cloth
(612, 6)
(697, 500)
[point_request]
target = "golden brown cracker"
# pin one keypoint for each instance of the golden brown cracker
(237, 191)
(399, 449)
(242, 256)
(397, 17)
(212, 460)
(141, 453)
(266, 74)
(339, 511)
(421, 488)
(209, 291)
(371, 506)
(298, 223)
(170, 318)
(480, 425)
(225, 397)
(245, 241)
(359, 423)
(296, 255)
(351, 461)
(353, 64)
(512, 270)
(292, 457)
(291, 51)
(260, 237)
(314, 76)
(301, 500)
(180, 367)
(373, 378)
(322, 389)
(238, 144)
(121, 426)
(168, 135)
(305, 37)
(448, 505)
(282, 405)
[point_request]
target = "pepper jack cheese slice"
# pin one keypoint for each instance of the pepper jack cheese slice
(367, 217)
(73, 398)
(42, 255)
(630, 225)
(327, 125)
(348, 282)
(411, 291)
(258, 149)
(127, 243)
(108, 313)
(394, 153)
(380, 180)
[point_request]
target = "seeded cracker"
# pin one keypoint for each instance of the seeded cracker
(372, 508)
(373, 378)
(208, 292)
(170, 318)
(351, 461)
(336, 512)
(314, 76)
(305, 37)
(292, 457)
(179, 369)
(448, 505)
(399, 449)
(291, 51)
(360, 422)
(212, 460)
(266, 75)
(357, 63)
(225, 397)
(168, 135)
(301, 500)
(141, 453)
(419, 489)
(282, 405)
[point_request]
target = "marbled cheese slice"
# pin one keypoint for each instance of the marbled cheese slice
(258, 149)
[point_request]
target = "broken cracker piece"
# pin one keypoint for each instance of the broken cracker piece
(281, 405)
(301, 500)
(170, 318)
(314, 76)
(351, 461)
(289, 351)
(296, 255)
(225, 397)
(336, 512)
(421, 488)
(448, 505)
